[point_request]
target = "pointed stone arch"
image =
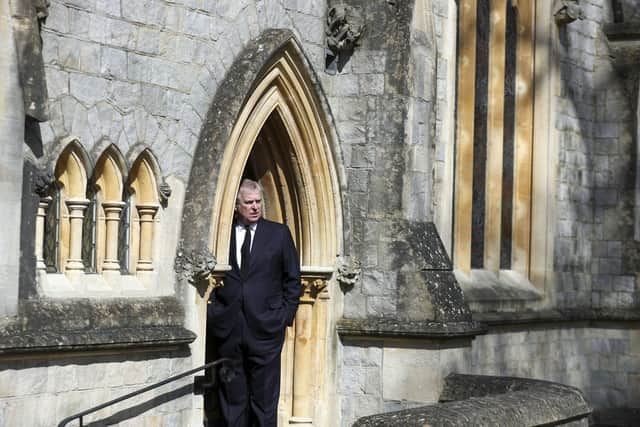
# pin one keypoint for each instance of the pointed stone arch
(282, 91)
(269, 90)
(71, 175)
(109, 184)
(144, 209)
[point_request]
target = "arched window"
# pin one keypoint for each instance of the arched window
(64, 226)
(109, 206)
(143, 207)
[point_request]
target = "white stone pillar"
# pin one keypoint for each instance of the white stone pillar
(112, 211)
(40, 219)
(76, 208)
(146, 214)
(11, 159)
(303, 359)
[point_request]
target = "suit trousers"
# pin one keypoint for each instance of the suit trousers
(250, 398)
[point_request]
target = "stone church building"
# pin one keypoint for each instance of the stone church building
(460, 178)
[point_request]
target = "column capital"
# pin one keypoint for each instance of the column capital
(113, 206)
(149, 209)
(77, 203)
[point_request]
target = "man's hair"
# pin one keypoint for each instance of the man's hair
(250, 185)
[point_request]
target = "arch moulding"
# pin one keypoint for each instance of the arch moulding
(272, 79)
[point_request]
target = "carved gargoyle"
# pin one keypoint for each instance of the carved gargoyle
(344, 28)
(43, 181)
(348, 273)
(567, 11)
(195, 266)
(164, 190)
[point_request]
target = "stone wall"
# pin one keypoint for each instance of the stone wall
(44, 392)
(603, 363)
(144, 73)
(12, 131)
(595, 251)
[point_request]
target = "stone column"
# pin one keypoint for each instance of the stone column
(11, 159)
(40, 218)
(76, 208)
(112, 211)
(146, 214)
(304, 355)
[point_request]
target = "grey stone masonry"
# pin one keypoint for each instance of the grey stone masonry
(146, 72)
(383, 152)
(12, 124)
(596, 256)
(470, 400)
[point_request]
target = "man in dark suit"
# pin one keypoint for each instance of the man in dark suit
(249, 314)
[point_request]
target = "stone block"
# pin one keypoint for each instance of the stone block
(114, 32)
(369, 61)
(311, 28)
(79, 55)
(411, 374)
(88, 89)
(354, 305)
(352, 380)
(146, 12)
(109, 7)
(358, 179)
(379, 283)
(58, 19)
(351, 109)
(57, 82)
(80, 125)
(624, 283)
(124, 95)
(381, 306)
(372, 381)
(197, 24)
(61, 379)
(79, 22)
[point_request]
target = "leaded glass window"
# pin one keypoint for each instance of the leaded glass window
(89, 234)
(124, 237)
(52, 234)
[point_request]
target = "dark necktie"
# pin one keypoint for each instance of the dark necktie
(245, 252)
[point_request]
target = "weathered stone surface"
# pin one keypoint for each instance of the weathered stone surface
(470, 400)
(397, 328)
(84, 324)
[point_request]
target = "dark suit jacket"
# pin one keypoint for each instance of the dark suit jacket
(270, 293)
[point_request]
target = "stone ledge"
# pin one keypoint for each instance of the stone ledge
(105, 339)
(557, 316)
(476, 400)
(84, 324)
(399, 328)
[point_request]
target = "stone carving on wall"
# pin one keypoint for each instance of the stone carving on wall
(344, 28)
(42, 182)
(28, 17)
(165, 192)
(567, 11)
(348, 273)
(195, 266)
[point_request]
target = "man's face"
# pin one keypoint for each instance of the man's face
(249, 208)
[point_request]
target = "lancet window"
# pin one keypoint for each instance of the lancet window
(99, 220)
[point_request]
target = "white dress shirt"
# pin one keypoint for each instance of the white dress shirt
(239, 228)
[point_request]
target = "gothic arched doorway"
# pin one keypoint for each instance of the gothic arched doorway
(280, 140)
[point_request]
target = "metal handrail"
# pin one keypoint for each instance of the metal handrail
(79, 415)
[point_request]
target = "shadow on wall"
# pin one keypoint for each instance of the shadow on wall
(134, 411)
